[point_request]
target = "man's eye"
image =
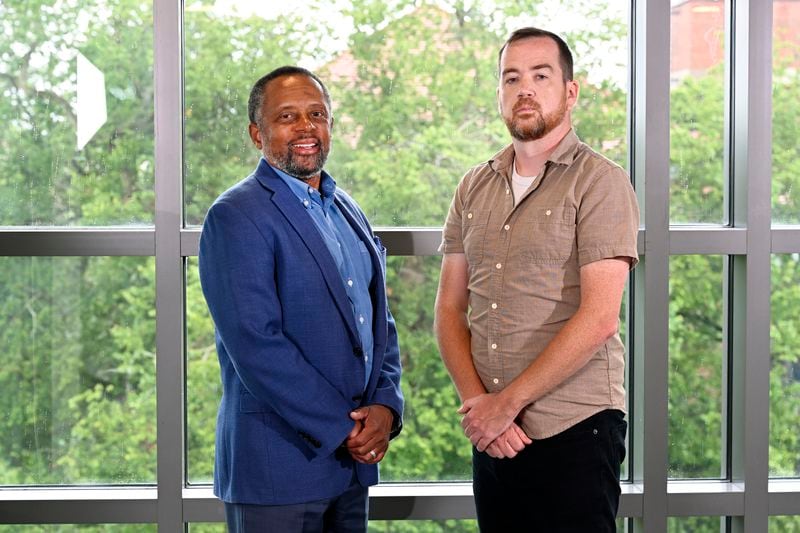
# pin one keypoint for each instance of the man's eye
(509, 81)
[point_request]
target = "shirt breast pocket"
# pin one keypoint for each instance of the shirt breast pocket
(473, 226)
(551, 231)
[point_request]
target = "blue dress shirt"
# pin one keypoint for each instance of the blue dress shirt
(349, 253)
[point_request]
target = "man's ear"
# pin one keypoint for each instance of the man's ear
(255, 135)
(573, 89)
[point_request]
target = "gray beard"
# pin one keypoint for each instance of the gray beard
(302, 172)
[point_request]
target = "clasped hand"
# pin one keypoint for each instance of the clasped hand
(490, 426)
(369, 439)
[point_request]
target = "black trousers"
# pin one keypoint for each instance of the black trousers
(567, 483)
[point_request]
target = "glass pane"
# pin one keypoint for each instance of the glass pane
(696, 524)
(203, 385)
(77, 370)
(784, 439)
(784, 524)
(695, 366)
(785, 112)
(422, 526)
(207, 528)
(431, 447)
(697, 112)
(76, 80)
(624, 474)
(413, 87)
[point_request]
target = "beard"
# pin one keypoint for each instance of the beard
(535, 127)
(300, 167)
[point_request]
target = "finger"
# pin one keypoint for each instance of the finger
(493, 451)
(482, 443)
(521, 434)
(508, 449)
(367, 432)
(372, 444)
(514, 441)
(359, 414)
(357, 427)
(471, 432)
(369, 458)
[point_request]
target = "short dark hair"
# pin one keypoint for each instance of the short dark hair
(256, 100)
(564, 53)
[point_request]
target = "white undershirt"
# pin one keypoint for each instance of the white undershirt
(520, 184)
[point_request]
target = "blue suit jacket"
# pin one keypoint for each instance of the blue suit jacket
(290, 356)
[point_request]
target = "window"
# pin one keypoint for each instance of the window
(78, 370)
(785, 112)
(77, 114)
(697, 112)
(784, 454)
(695, 367)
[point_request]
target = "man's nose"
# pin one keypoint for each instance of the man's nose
(305, 123)
(525, 88)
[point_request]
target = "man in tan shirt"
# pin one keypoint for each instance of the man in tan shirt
(537, 248)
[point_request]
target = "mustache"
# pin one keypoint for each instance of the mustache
(526, 102)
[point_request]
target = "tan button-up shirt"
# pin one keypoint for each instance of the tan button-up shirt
(524, 271)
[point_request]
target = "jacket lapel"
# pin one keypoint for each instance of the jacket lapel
(287, 203)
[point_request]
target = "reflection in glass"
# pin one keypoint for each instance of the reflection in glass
(697, 112)
(783, 524)
(76, 80)
(696, 524)
(695, 366)
(623, 334)
(413, 87)
(77, 370)
(785, 112)
(423, 526)
(203, 385)
(784, 415)
(432, 445)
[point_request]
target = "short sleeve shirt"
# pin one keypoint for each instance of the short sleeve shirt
(524, 271)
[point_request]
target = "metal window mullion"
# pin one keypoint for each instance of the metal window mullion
(651, 31)
(752, 129)
(70, 242)
(167, 60)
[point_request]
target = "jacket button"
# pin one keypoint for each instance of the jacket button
(358, 352)
(356, 398)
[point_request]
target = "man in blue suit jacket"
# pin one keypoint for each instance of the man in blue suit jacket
(295, 281)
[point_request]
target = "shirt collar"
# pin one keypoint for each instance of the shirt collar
(564, 154)
(305, 192)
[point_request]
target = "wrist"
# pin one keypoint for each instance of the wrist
(511, 401)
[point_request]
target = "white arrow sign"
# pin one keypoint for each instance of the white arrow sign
(91, 109)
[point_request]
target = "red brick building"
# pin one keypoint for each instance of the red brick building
(698, 34)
